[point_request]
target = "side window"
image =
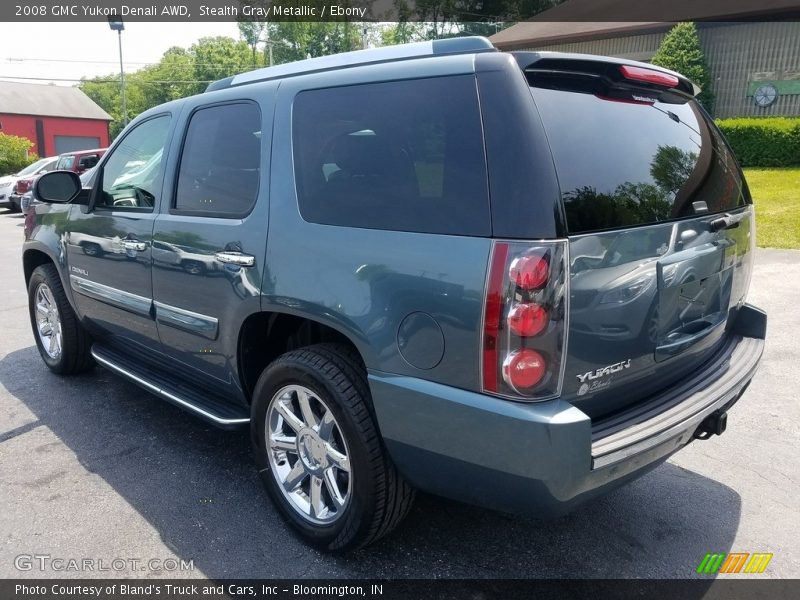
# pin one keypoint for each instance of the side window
(132, 175)
(402, 155)
(221, 161)
(65, 163)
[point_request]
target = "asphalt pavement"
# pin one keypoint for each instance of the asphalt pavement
(92, 467)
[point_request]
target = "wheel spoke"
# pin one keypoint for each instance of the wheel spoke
(317, 506)
(289, 417)
(326, 425)
(45, 329)
(44, 300)
(283, 442)
(41, 308)
(304, 400)
(338, 459)
(333, 487)
(55, 344)
(295, 477)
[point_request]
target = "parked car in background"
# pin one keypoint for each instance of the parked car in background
(80, 160)
(8, 183)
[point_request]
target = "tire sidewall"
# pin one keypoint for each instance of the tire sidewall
(287, 372)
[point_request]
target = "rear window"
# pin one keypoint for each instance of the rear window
(403, 155)
(622, 164)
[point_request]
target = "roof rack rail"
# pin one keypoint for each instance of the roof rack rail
(460, 45)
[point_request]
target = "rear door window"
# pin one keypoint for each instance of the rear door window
(624, 163)
(403, 155)
(221, 161)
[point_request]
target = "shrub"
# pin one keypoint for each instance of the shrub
(764, 142)
(15, 153)
(680, 51)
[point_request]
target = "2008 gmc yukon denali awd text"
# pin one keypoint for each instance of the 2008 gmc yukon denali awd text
(513, 279)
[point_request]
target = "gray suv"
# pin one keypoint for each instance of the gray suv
(513, 279)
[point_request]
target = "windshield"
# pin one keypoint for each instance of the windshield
(626, 163)
(33, 168)
(66, 162)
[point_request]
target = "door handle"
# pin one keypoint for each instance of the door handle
(236, 258)
(134, 245)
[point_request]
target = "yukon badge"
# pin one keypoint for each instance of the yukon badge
(590, 381)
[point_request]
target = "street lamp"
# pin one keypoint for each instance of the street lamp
(117, 25)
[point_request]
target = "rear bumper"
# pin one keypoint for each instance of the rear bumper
(545, 458)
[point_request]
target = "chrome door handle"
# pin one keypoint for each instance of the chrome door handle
(134, 245)
(236, 258)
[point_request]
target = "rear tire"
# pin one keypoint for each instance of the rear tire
(365, 501)
(62, 341)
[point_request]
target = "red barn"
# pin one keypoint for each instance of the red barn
(56, 119)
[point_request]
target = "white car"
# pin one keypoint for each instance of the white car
(7, 183)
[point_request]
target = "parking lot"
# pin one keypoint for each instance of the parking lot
(93, 467)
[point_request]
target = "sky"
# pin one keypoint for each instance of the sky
(75, 50)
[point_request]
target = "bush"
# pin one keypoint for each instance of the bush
(680, 51)
(15, 153)
(764, 142)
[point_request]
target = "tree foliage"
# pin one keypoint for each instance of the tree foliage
(15, 153)
(680, 51)
(181, 72)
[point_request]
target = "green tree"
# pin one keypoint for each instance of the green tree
(15, 153)
(680, 51)
(219, 57)
(671, 168)
(178, 74)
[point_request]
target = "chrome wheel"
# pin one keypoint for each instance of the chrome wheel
(48, 321)
(308, 455)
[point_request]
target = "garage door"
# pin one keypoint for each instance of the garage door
(70, 143)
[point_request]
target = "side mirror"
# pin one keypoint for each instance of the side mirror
(57, 186)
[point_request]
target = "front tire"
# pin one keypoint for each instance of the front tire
(62, 341)
(319, 453)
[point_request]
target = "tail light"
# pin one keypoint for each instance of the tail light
(524, 327)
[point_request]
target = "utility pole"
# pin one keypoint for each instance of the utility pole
(118, 26)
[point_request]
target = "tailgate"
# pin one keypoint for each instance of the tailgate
(660, 231)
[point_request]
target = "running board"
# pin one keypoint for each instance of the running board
(217, 412)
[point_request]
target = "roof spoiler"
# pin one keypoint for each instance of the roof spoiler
(607, 71)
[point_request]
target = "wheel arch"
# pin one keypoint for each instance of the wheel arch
(265, 335)
(36, 255)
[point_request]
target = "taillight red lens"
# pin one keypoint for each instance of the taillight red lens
(527, 320)
(529, 271)
(648, 76)
(523, 345)
(524, 368)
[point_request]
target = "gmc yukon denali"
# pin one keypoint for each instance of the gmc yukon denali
(517, 280)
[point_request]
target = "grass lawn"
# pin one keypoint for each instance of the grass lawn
(776, 196)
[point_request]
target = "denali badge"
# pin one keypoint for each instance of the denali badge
(615, 368)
